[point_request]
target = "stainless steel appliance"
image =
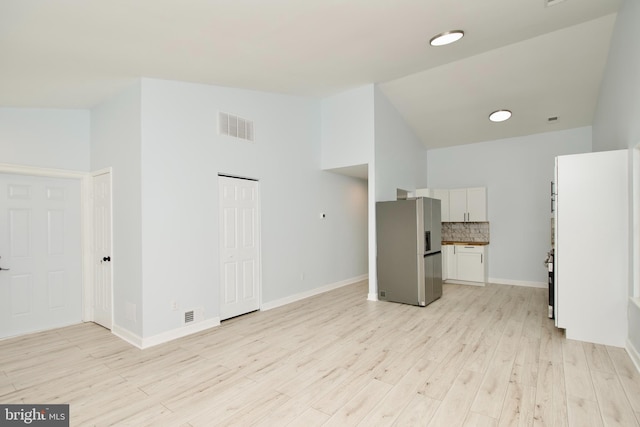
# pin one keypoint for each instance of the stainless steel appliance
(409, 259)
(549, 263)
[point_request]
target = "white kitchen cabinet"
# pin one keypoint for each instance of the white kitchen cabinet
(470, 263)
(448, 262)
(458, 205)
(468, 204)
(592, 246)
(477, 204)
(443, 196)
(423, 192)
(466, 263)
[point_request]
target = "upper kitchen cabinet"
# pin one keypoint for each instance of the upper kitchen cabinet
(443, 196)
(468, 205)
(460, 205)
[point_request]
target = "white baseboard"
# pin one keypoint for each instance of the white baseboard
(511, 282)
(463, 282)
(302, 295)
(127, 335)
(633, 354)
(164, 337)
(48, 328)
(372, 297)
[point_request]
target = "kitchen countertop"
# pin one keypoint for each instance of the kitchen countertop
(465, 243)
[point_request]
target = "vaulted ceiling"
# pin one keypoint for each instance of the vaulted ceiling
(538, 61)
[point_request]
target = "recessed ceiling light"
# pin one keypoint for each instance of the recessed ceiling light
(549, 3)
(500, 115)
(446, 38)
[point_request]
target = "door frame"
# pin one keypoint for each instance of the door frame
(88, 255)
(86, 226)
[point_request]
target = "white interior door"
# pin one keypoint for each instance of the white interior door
(40, 250)
(239, 247)
(102, 270)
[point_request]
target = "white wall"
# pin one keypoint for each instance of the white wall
(400, 157)
(616, 125)
(348, 128)
(116, 143)
(45, 138)
(399, 162)
(517, 173)
(182, 155)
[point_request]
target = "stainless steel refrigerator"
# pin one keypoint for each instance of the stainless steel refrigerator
(409, 259)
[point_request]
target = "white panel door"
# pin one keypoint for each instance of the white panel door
(40, 250)
(102, 270)
(239, 247)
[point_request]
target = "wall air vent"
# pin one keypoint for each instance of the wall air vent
(235, 126)
(188, 316)
(193, 316)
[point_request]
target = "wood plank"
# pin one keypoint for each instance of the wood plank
(453, 409)
(419, 411)
(583, 412)
(525, 366)
(490, 396)
(612, 400)
(598, 358)
(627, 374)
(476, 420)
(360, 405)
(396, 401)
(309, 418)
(519, 406)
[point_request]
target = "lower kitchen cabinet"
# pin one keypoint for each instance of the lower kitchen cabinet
(467, 263)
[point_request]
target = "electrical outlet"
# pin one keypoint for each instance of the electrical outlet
(174, 306)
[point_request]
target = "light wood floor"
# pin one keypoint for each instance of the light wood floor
(477, 357)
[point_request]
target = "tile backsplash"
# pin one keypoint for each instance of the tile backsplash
(476, 232)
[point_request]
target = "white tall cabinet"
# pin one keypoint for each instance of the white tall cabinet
(592, 246)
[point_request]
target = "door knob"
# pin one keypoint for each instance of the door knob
(107, 258)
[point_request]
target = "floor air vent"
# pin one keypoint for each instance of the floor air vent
(235, 126)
